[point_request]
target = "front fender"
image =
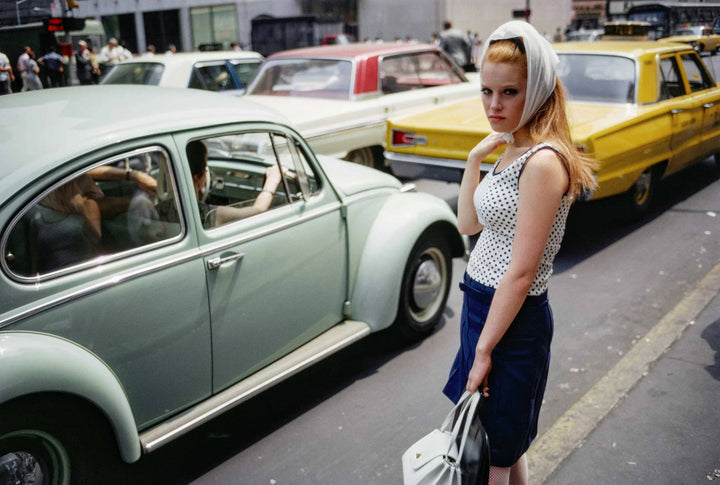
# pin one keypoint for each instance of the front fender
(34, 363)
(403, 218)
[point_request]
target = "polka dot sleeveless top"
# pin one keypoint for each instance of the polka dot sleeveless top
(496, 203)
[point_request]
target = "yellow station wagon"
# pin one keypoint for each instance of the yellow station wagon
(644, 110)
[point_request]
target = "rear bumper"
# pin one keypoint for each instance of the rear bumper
(416, 167)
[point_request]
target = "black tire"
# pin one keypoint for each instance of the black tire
(425, 287)
(362, 156)
(639, 198)
(49, 443)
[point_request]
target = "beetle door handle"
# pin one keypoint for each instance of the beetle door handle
(215, 263)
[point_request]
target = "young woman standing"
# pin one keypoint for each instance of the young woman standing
(519, 209)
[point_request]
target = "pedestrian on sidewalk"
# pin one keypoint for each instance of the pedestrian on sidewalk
(22, 69)
(33, 73)
(519, 210)
(55, 66)
(6, 75)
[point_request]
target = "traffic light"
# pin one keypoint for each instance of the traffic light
(71, 4)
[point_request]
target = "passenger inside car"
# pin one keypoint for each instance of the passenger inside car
(67, 223)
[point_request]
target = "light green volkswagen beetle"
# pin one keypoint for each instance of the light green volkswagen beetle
(168, 254)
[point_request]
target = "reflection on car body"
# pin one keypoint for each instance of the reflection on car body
(132, 335)
(644, 110)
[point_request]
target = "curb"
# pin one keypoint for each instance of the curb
(570, 430)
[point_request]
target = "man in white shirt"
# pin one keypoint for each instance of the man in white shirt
(112, 54)
(6, 74)
(24, 57)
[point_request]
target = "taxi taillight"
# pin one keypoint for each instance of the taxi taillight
(402, 138)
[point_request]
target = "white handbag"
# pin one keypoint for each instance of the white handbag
(438, 458)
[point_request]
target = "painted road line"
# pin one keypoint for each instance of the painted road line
(572, 428)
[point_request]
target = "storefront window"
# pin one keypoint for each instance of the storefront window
(214, 28)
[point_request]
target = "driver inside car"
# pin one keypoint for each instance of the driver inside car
(217, 215)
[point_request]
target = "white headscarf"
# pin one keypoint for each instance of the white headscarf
(541, 65)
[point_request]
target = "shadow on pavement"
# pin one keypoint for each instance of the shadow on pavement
(593, 226)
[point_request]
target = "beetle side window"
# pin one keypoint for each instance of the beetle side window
(671, 84)
(241, 175)
(100, 212)
(697, 76)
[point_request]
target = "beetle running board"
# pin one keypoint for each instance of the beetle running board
(324, 345)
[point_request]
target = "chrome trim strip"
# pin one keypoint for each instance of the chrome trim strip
(333, 340)
(370, 195)
(272, 229)
(133, 274)
(102, 284)
(366, 124)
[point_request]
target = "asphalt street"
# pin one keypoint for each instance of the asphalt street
(634, 379)
(665, 429)
(617, 283)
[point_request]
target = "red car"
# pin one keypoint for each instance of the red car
(339, 96)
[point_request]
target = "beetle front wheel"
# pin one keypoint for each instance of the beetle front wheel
(425, 287)
(44, 443)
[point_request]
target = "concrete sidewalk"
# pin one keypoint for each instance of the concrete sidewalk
(655, 416)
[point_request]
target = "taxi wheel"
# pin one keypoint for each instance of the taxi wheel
(362, 156)
(640, 195)
(425, 287)
(716, 159)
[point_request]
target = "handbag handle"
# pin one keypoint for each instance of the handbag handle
(465, 407)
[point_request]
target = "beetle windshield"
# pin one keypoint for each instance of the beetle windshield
(602, 78)
(313, 78)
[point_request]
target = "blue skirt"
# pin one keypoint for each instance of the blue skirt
(519, 371)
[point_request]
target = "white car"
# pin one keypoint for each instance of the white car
(223, 71)
(340, 96)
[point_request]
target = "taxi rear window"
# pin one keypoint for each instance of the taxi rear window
(601, 78)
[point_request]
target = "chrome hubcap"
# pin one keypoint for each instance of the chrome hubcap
(642, 187)
(428, 284)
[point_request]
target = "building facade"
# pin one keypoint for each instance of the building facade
(205, 24)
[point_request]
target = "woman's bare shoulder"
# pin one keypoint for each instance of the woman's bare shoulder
(546, 166)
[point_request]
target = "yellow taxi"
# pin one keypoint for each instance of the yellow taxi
(699, 37)
(643, 110)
